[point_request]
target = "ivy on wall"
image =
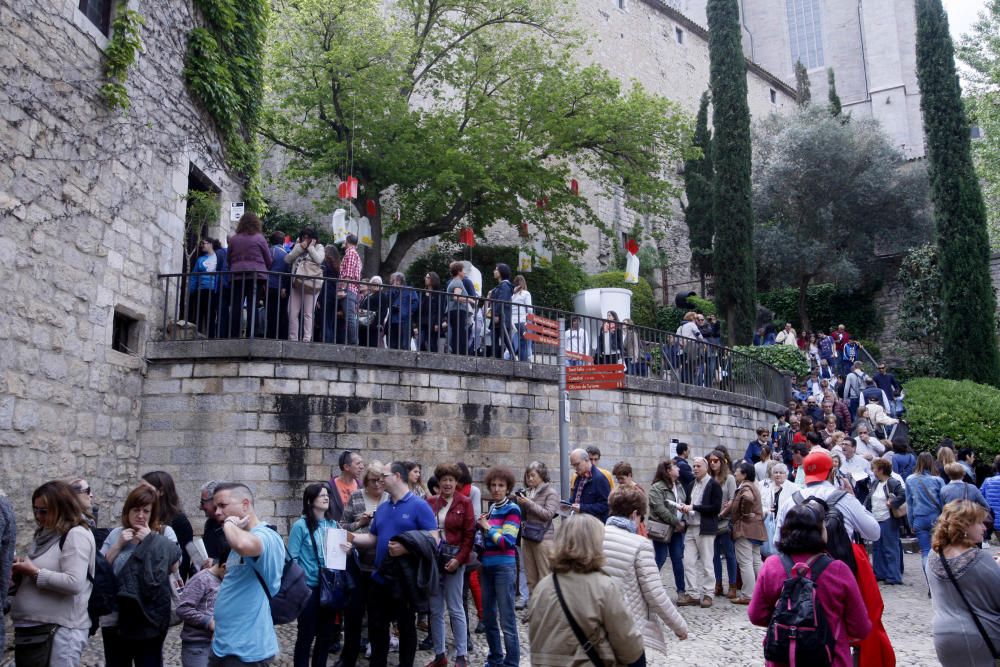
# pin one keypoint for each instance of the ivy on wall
(224, 69)
(120, 55)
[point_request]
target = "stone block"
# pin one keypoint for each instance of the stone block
(161, 387)
(442, 381)
(256, 369)
(415, 379)
(500, 399)
(329, 373)
(344, 389)
(479, 398)
(314, 387)
(291, 371)
(367, 390)
(396, 392)
(202, 386)
(453, 396)
(216, 370)
(428, 395)
(240, 385)
(280, 386)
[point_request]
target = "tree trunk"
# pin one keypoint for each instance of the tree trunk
(404, 241)
(373, 255)
(803, 314)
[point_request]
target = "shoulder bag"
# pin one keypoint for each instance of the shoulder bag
(335, 586)
(975, 616)
(585, 643)
(308, 275)
(898, 512)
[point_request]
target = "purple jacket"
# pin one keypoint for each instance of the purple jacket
(197, 606)
(249, 252)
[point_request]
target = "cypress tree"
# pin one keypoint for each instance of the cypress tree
(803, 92)
(698, 177)
(733, 258)
(834, 99)
(968, 304)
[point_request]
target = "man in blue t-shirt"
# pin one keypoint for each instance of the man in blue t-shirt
(244, 632)
(403, 512)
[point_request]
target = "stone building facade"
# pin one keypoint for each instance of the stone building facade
(92, 204)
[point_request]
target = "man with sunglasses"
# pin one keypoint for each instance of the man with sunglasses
(888, 383)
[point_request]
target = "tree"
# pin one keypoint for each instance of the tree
(456, 113)
(735, 273)
(699, 174)
(919, 324)
(980, 51)
(968, 304)
(803, 93)
(834, 105)
(824, 193)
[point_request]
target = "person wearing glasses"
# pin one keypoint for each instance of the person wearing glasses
(53, 581)
(357, 518)
(212, 536)
(85, 496)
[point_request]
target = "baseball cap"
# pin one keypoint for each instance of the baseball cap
(817, 466)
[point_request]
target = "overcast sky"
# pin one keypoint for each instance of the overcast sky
(962, 14)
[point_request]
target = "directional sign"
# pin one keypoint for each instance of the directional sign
(582, 386)
(595, 377)
(599, 376)
(545, 331)
(579, 356)
(538, 338)
(543, 321)
(599, 368)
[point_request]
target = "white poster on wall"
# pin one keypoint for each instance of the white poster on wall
(236, 209)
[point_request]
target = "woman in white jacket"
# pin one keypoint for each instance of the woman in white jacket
(630, 563)
(306, 260)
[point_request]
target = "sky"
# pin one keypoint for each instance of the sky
(962, 14)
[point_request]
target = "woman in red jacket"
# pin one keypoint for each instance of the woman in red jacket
(457, 522)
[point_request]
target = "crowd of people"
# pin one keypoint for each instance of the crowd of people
(585, 566)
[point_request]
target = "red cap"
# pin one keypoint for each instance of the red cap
(817, 466)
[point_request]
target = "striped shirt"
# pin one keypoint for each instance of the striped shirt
(505, 524)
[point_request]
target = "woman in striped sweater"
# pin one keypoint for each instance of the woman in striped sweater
(500, 527)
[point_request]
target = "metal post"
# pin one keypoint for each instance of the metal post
(563, 413)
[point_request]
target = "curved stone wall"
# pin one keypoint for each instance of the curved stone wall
(276, 415)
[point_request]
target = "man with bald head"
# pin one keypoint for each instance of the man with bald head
(590, 489)
(702, 516)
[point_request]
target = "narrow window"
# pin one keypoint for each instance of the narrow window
(680, 35)
(621, 4)
(774, 96)
(124, 334)
(99, 13)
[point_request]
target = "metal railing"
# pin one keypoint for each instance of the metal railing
(276, 306)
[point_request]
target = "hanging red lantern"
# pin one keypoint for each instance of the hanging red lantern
(574, 186)
(352, 187)
(632, 246)
(342, 190)
(371, 208)
(466, 237)
(542, 203)
(523, 230)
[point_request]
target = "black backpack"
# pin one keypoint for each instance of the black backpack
(293, 595)
(798, 632)
(838, 542)
(104, 593)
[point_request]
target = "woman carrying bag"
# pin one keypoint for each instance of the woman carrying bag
(539, 504)
(665, 523)
(53, 582)
(306, 260)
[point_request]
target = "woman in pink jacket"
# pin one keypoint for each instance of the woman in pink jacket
(803, 538)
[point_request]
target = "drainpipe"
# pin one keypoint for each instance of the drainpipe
(864, 53)
(743, 20)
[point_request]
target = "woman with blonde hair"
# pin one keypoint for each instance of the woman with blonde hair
(578, 588)
(964, 583)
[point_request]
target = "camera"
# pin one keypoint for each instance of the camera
(520, 492)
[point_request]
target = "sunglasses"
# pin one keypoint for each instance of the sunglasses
(83, 491)
(40, 510)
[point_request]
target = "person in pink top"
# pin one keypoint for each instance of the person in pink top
(803, 536)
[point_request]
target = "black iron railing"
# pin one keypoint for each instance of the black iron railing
(277, 306)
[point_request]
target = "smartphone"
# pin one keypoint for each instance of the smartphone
(566, 503)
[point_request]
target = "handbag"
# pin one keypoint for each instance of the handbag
(975, 616)
(308, 276)
(659, 531)
(33, 645)
(585, 643)
(445, 553)
(335, 586)
(767, 549)
(534, 531)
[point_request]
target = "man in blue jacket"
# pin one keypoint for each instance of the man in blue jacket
(591, 489)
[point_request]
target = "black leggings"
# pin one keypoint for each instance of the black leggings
(120, 651)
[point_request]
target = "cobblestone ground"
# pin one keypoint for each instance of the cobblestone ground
(718, 636)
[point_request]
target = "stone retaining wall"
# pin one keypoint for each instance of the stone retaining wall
(277, 416)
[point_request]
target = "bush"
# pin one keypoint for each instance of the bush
(826, 307)
(668, 318)
(703, 306)
(783, 357)
(550, 287)
(966, 412)
(643, 304)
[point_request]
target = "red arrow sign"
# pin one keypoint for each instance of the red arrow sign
(599, 368)
(579, 356)
(543, 321)
(538, 338)
(545, 331)
(583, 386)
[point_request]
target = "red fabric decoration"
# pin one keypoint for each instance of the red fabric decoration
(352, 187)
(523, 230)
(371, 208)
(876, 649)
(574, 186)
(632, 246)
(342, 190)
(542, 203)
(466, 237)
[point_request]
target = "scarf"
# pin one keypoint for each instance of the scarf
(622, 522)
(42, 542)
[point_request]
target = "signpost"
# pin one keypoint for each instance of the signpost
(601, 376)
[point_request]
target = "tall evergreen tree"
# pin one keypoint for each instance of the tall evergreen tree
(735, 271)
(698, 177)
(834, 99)
(803, 92)
(968, 309)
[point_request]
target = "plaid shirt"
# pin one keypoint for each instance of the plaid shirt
(350, 268)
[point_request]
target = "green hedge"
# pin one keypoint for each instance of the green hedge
(827, 307)
(551, 287)
(643, 304)
(966, 412)
(782, 357)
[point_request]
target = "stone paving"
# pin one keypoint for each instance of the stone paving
(719, 636)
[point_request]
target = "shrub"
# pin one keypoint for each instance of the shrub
(966, 412)
(643, 304)
(550, 287)
(668, 318)
(826, 307)
(703, 306)
(783, 357)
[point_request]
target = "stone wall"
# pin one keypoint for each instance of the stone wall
(278, 415)
(92, 208)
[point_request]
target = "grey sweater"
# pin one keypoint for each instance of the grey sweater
(61, 591)
(197, 606)
(8, 537)
(956, 639)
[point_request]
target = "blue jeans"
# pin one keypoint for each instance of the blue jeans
(351, 316)
(922, 526)
(724, 547)
(885, 553)
(449, 593)
(674, 549)
(498, 600)
(524, 347)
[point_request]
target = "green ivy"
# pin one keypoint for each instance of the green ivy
(782, 357)
(224, 69)
(119, 56)
(827, 307)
